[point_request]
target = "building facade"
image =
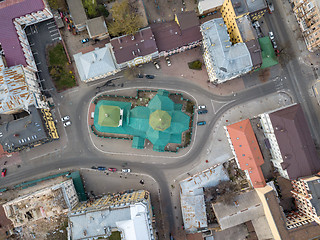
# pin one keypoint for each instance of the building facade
(128, 213)
(307, 13)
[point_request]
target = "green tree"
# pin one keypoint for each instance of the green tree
(91, 7)
(126, 20)
(53, 4)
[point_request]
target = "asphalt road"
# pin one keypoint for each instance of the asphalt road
(81, 153)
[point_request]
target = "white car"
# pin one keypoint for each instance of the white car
(156, 64)
(65, 118)
(271, 36)
(168, 61)
(201, 107)
(126, 170)
(66, 124)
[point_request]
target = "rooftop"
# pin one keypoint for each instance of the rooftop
(242, 7)
(205, 5)
(246, 29)
(314, 187)
(169, 36)
(96, 63)
(295, 142)
(14, 91)
(9, 40)
(269, 58)
(77, 12)
(227, 60)
(255, 52)
(247, 151)
(129, 47)
(96, 26)
(24, 131)
(187, 19)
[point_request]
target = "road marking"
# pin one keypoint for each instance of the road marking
(221, 105)
(144, 155)
(52, 26)
(53, 39)
(49, 23)
(55, 30)
(54, 34)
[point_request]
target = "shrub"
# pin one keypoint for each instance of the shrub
(196, 65)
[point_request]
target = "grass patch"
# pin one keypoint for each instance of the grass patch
(189, 107)
(59, 68)
(196, 65)
(188, 138)
(115, 236)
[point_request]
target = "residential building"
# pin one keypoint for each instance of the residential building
(30, 131)
(134, 50)
(161, 121)
(306, 193)
(291, 145)
(208, 6)
(193, 205)
(179, 35)
(97, 28)
(96, 64)
(78, 14)
(128, 213)
(15, 15)
(51, 200)
(246, 150)
(307, 13)
(224, 60)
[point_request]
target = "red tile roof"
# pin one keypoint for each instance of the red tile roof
(247, 151)
(9, 10)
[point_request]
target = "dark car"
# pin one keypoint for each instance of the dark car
(140, 75)
(201, 123)
(204, 111)
(85, 40)
(4, 172)
(112, 169)
(150, 76)
(101, 168)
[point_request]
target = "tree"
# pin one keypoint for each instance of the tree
(91, 7)
(53, 4)
(126, 20)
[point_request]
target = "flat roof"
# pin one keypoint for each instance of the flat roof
(24, 131)
(129, 47)
(295, 142)
(205, 5)
(169, 36)
(255, 52)
(9, 40)
(247, 151)
(246, 29)
(187, 19)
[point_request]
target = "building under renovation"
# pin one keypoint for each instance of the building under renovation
(129, 215)
(51, 199)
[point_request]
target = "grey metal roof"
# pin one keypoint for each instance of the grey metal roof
(96, 26)
(77, 12)
(95, 63)
(227, 60)
(23, 132)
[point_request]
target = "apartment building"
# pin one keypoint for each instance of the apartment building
(289, 139)
(307, 13)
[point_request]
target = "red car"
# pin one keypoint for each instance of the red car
(112, 169)
(4, 172)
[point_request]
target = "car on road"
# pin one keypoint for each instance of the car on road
(168, 61)
(126, 170)
(271, 36)
(201, 123)
(66, 124)
(201, 106)
(156, 64)
(112, 169)
(101, 168)
(140, 75)
(150, 76)
(85, 40)
(203, 111)
(3, 172)
(65, 118)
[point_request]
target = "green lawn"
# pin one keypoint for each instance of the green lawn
(59, 68)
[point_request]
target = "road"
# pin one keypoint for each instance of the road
(80, 152)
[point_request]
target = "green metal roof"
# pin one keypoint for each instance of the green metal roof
(267, 52)
(138, 142)
(109, 116)
(160, 120)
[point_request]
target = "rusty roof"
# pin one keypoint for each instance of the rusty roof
(14, 91)
(247, 151)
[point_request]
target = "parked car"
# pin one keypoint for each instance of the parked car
(112, 169)
(156, 64)
(201, 123)
(94, 167)
(101, 168)
(85, 40)
(168, 61)
(65, 118)
(66, 124)
(3, 172)
(271, 36)
(150, 76)
(126, 170)
(203, 111)
(201, 106)
(140, 75)
(274, 44)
